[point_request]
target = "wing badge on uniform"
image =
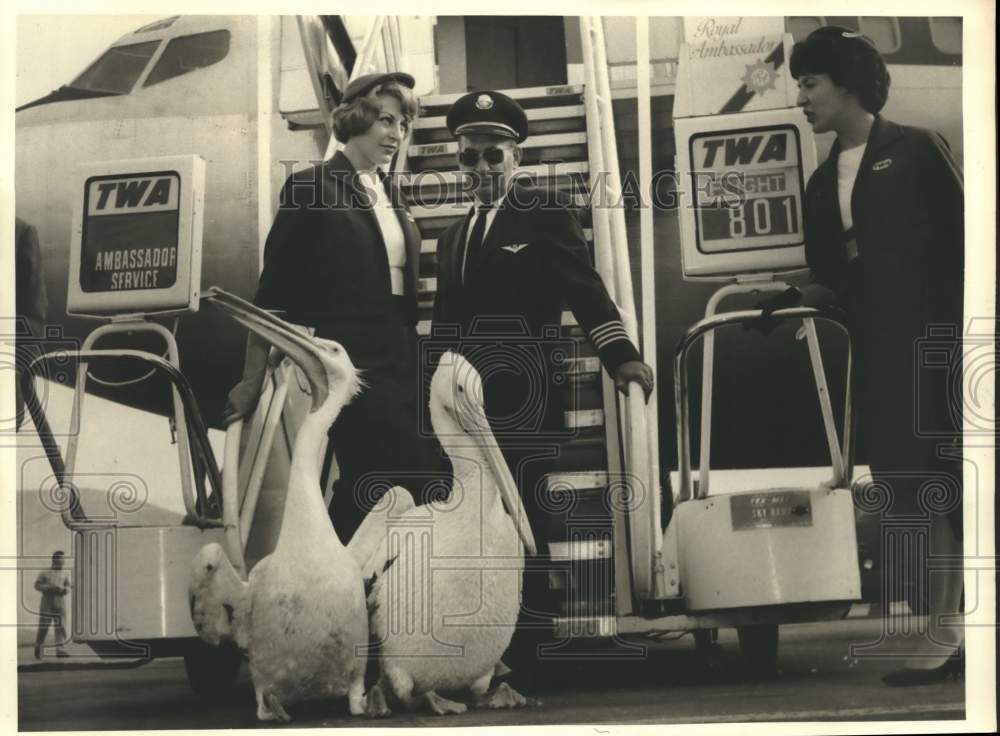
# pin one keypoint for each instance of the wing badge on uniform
(515, 248)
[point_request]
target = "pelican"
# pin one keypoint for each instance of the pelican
(447, 584)
(301, 616)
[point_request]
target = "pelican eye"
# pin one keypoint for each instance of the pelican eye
(210, 566)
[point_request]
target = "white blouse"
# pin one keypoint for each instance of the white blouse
(392, 233)
(848, 163)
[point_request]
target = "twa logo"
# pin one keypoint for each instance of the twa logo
(132, 194)
(743, 149)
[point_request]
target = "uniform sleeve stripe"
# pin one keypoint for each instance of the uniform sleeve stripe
(609, 335)
(613, 337)
(614, 325)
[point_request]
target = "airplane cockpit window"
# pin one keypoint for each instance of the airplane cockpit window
(883, 30)
(946, 34)
(187, 53)
(117, 70)
(801, 26)
(158, 25)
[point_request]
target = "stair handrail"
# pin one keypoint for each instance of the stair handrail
(611, 258)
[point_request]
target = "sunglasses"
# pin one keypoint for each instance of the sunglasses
(470, 156)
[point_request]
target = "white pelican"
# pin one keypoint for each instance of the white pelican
(448, 586)
(301, 616)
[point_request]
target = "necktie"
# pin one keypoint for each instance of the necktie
(474, 249)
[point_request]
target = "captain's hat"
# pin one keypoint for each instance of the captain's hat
(493, 113)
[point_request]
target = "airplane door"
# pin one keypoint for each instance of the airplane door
(506, 52)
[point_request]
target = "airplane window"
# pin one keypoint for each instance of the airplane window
(117, 69)
(884, 31)
(187, 53)
(946, 33)
(801, 26)
(158, 25)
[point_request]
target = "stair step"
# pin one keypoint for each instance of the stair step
(588, 549)
(567, 320)
(577, 627)
(540, 171)
(581, 418)
(538, 141)
(562, 174)
(534, 114)
(568, 93)
(580, 482)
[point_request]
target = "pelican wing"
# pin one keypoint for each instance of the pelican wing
(219, 599)
(366, 544)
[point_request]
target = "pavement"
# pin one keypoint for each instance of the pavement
(828, 672)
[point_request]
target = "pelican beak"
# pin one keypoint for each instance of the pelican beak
(281, 335)
(479, 428)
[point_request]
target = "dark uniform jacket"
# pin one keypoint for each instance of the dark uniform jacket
(325, 265)
(534, 260)
(907, 208)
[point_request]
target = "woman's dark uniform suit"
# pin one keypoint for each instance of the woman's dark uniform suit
(907, 208)
(326, 266)
(507, 307)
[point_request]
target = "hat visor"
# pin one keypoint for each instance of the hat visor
(483, 128)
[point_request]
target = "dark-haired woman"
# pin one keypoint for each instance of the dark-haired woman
(885, 238)
(342, 258)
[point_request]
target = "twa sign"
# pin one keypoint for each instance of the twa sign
(742, 179)
(137, 244)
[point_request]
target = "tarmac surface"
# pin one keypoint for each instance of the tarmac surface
(820, 678)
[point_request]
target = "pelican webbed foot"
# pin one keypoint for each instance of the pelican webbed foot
(269, 708)
(502, 696)
(442, 706)
(356, 702)
(375, 704)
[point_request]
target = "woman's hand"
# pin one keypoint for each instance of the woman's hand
(243, 397)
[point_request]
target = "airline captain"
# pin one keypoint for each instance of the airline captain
(342, 258)
(504, 273)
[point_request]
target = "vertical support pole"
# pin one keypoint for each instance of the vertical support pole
(648, 272)
(605, 267)
(230, 499)
(816, 358)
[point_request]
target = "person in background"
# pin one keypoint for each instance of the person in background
(54, 585)
(342, 257)
(31, 307)
(884, 239)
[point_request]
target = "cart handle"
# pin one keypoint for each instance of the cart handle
(207, 511)
(709, 324)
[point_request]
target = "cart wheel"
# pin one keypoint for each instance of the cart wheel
(706, 641)
(708, 651)
(759, 647)
(212, 671)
